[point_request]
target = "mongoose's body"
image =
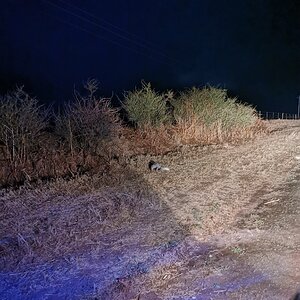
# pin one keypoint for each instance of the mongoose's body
(154, 166)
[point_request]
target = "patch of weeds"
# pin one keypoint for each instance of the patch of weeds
(237, 250)
(256, 220)
(215, 207)
(197, 214)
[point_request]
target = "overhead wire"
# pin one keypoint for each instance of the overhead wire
(114, 33)
(109, 40)
(143, 40)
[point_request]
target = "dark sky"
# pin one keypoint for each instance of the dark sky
(250, 47)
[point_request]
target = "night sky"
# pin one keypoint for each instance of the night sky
(250, 47)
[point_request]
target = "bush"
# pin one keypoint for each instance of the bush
(89, 123)
(210, 106)
(22, 123)
(145, 107)
(236, 114)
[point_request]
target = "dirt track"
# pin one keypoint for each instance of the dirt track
(253, 253)
(224, 223)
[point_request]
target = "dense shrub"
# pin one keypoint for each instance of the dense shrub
(146, 107)
(210, 106)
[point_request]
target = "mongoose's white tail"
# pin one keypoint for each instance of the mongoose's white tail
(164, 169)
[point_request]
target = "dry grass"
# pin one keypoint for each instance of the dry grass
(133, 211)
(57, 161)
(49, 221)
(194, 133)
(207, 187)
(169, 138)
(51, 164)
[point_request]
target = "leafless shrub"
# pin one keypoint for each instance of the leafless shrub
(22, 127)
(89, 123)
(22, 123)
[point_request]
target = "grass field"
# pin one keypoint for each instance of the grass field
(133, 232)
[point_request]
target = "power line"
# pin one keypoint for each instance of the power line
(112, 32)
(109, 40)
(151, 44)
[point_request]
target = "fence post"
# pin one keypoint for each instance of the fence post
(259, 114)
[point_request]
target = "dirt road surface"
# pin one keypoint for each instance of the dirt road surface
(224, 223)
